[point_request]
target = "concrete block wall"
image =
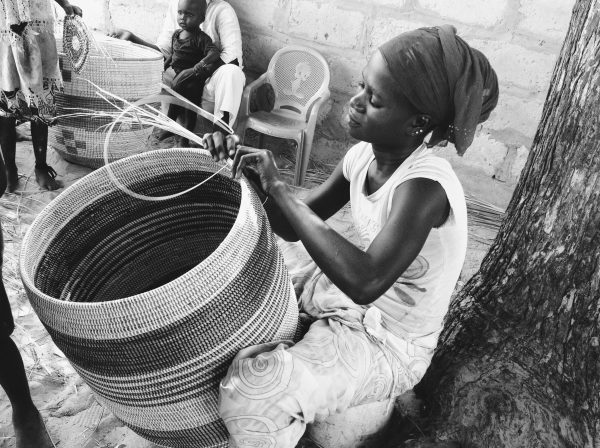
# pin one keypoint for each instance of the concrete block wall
(522, 39)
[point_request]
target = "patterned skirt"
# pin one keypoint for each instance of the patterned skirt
(29, 72)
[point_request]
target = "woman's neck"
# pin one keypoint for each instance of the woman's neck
(390, 158)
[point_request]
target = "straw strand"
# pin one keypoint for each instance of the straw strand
(142, 112)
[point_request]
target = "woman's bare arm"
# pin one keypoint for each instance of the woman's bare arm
(418, 206)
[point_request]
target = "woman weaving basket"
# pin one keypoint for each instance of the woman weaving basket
(379, 307)
(29, 79)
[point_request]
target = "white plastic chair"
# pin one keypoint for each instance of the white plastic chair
(300, 79)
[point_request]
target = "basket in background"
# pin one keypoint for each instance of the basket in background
(150, 301)
(131, 72)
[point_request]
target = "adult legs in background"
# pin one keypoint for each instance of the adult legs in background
(30, 431)
(44, 174)
(8, 143)
(224, 89)
(222, 93)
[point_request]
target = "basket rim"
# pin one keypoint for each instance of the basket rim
(29, 282)
(157, 55)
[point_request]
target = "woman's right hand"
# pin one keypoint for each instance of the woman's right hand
(122, 34)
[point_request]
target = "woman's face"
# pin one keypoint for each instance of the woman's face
(377, 113)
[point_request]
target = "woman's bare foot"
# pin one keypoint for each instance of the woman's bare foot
(46, 178)
(30, 432)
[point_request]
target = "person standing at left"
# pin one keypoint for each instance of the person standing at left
(29, 81)
(30, 431)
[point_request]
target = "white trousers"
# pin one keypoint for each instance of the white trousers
(222, 91)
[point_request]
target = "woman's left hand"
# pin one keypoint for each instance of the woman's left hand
(258, 165)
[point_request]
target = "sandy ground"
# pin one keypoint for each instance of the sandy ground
(74, 418)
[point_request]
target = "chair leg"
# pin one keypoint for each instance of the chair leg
(260, 140)
(302, 156)
(241, 130)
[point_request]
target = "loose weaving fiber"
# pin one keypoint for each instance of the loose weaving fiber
(129, 71)
(150, 301)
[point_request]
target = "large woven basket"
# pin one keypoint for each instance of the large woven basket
(132, 72)
(150, 301)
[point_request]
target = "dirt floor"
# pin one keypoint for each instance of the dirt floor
(74, 418)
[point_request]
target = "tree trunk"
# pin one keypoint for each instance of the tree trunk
(518, 363)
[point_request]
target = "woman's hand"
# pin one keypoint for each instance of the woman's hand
(258, 165)
(122, 34)
(221, 147)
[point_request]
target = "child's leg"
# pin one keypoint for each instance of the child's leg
(191, 90)
(172, 113)
(8, 142)
(189, 122)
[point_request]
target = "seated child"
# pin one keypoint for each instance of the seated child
(194, 59)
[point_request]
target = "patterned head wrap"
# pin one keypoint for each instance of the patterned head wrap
(442, 76)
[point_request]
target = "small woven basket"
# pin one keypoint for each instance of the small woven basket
(131, 72)
(150, 301)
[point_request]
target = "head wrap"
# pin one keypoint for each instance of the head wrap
(443, 77)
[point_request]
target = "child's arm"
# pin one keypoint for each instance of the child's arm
(168, 62)
(210, 62)
(203, 69)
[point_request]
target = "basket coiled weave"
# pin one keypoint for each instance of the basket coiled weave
(132, 72)
(150, 301)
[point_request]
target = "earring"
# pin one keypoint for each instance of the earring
(417, 132)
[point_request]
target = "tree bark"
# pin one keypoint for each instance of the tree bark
(518, 363)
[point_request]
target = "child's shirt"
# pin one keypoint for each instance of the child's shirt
(189, 51)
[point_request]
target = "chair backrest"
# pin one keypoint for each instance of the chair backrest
(299, 76)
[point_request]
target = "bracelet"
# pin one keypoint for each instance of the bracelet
(198, 71)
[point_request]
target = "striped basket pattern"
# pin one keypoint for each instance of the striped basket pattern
(150, 301)
(134, 72)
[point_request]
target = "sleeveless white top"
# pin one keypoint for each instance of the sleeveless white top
(414, 307)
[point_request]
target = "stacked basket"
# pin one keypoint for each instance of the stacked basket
(127, 70)
(151, 300)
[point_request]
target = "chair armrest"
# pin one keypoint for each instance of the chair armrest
(314, 112)
(245, 104)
